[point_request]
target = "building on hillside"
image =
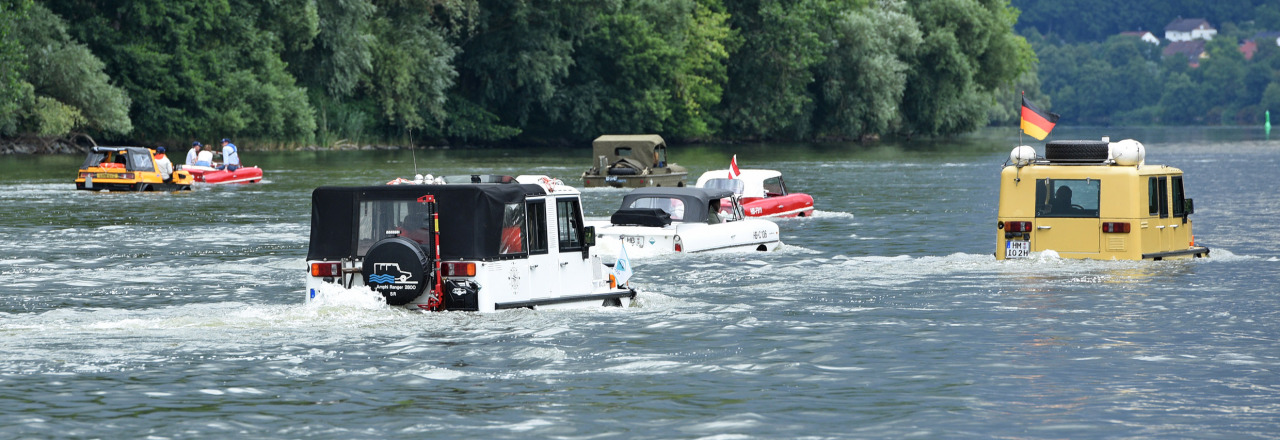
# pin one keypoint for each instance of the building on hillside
(1187, 29)
(1142, 35)
(1193, 51)
(1267, 37)
(1249, 48)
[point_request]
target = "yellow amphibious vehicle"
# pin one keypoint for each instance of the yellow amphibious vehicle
(1093, 199)
(127, 169)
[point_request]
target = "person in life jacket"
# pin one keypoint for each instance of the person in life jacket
(163, 166)
(230, 156)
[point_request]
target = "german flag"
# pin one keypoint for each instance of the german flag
(1036, 123)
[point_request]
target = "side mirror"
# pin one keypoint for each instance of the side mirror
(588, 240)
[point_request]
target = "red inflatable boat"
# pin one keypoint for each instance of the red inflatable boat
(215, 176)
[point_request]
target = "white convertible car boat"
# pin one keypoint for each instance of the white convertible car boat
(663, 220)
(461, 246)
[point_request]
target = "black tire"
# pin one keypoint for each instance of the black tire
(397, 268)
(1076, 151)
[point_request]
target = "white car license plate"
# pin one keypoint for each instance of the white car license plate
(633, 240)
(1017, 249)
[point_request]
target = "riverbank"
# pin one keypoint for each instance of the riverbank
(61, 146)
(39, 146)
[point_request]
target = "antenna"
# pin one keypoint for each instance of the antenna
(415, 159)
(413, 153)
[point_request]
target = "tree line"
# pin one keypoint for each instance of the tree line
(1125, 81)
(1082, 21)
(326, 72)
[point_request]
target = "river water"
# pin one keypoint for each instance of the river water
(885, 315)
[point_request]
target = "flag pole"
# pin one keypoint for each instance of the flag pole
(1024, 97)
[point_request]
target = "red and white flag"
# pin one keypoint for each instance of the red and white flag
(734, 172)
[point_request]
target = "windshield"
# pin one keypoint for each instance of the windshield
(734, 185)
(673, 206)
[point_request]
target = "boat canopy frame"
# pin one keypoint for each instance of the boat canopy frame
(471, 217)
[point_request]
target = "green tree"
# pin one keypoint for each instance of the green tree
(1221, 73)
(865, 73)
(1271, 98)
(967, 54)
(1180, 102)
(193, 68)
(12, 64)
(69, 89)
(520, 54)
(653, 66)
(412, 69)
(767, 93)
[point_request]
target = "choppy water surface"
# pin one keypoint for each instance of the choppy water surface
(885, 315)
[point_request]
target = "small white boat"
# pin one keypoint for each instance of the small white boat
(665, 220)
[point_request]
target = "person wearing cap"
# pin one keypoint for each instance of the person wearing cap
(194, 154)
(230, 156)
(163, 166)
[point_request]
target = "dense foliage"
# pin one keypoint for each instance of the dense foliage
(1079, 21)
(1122, 80)
(544, 71)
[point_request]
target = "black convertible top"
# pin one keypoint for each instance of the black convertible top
(696, 200)
(470, 216)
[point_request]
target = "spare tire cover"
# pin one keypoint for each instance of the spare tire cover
(396, 268)
(1076, 150)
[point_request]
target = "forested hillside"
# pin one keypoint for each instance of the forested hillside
(1080, 21)
(1090, 74)
(326, 72)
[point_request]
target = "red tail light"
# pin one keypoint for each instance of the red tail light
(458, 269)
(1115, 227)
(1018, 226)
(326, 269)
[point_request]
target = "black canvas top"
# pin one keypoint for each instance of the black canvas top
(696, 200)
(470, 216)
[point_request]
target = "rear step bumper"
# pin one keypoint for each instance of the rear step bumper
(617, 294)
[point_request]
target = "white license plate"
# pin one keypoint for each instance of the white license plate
(1017, 249)
(634, 241)
(614, 179)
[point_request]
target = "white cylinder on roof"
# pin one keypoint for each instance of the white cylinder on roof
(1022, 155)
(1128, 152)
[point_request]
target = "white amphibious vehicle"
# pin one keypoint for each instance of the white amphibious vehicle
(469, 246)
(663, 220)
